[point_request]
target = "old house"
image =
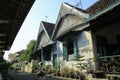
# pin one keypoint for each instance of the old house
(43, 47)
(104, 26)
(95, 36)
(93, 33)
(69, 39)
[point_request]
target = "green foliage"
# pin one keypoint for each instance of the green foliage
(48, 69)
(26, 56)
(36, 67)
(64, 71)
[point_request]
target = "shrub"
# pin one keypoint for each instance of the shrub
(64, 71)
(47, 69)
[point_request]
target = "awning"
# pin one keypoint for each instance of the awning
(12, 15)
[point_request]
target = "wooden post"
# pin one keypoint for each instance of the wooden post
(41, 65)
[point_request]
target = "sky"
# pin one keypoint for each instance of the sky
(38, 13)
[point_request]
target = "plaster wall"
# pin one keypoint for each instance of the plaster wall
(44, 40)
(85, 48)
(69, 22)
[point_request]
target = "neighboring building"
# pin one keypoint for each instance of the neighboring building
(93, 33)
(68, 39)
(14, 56)
(104, 27)
(44, 41)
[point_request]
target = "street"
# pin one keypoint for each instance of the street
(28, 76)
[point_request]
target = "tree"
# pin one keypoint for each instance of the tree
(26, 56)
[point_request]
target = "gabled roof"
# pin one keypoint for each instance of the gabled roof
(67, 9)
(107, 10)
(48, 27)
(12, 15)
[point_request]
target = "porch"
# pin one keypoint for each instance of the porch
(110, 64)
(106, 41)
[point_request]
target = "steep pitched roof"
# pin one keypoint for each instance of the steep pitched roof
(65, 10)
(49, 27)
(45, 29)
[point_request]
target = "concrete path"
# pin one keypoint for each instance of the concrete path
(22, 75)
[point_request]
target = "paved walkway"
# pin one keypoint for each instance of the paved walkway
(22, 75)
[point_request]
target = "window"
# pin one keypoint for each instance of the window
(70, 48)
(70, 51)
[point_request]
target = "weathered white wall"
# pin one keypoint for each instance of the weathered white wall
(69, 22)
(56, 49)
(44, 40)
(85, 46)
(82, 40)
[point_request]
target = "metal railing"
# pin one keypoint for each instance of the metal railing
(110, 64)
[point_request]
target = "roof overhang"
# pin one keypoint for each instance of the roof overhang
(101, 12)
(86, 23)
(65, 11)
(12, 15)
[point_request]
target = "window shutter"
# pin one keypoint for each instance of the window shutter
(55, 61)
(75, 50)
(65, 52)
(43, 59)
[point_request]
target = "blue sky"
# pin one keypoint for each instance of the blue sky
(38, 13)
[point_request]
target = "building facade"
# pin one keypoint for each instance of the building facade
(92, 33)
